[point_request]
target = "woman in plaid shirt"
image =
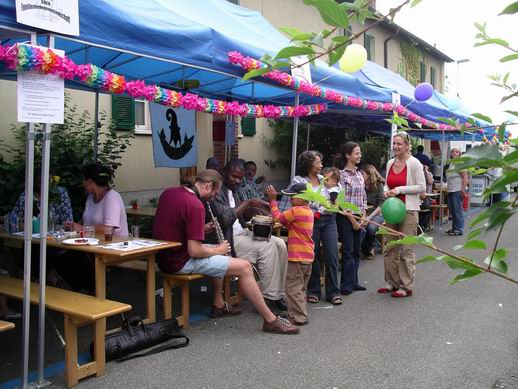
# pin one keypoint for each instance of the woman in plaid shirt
(349, 229)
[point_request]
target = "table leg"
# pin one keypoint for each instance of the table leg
(100, 278)
(150, 284)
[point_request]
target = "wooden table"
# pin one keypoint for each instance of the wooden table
(107, 257)
(6, 325)
(141, 211)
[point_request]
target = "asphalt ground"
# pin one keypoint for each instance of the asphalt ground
(459, 336)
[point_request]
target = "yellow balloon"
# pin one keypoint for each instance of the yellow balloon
(353, 59)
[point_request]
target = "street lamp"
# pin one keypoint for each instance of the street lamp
(459, 61)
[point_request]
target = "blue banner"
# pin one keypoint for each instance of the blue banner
(174, 136)
(230, 132)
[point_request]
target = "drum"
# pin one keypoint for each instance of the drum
(262, 227)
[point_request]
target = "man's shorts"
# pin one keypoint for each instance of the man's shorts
(215, 266)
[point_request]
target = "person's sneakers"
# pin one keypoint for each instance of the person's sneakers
(360, 287)
(280, 326)
(455, 233)
(225, 310)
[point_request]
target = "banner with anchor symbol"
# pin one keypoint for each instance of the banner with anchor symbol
(174, 136)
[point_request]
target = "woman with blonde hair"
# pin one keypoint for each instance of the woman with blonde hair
(405, 180)
(375, 198)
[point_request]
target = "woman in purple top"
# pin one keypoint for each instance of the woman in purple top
(349, 229)
(104, 206)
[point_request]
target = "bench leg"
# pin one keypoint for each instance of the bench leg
(99, 350)
(168, 300)
(185, 304)
(150, 283)
(71, 368)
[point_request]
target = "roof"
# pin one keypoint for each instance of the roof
(398, 30)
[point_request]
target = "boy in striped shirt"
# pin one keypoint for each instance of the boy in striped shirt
(299, 221)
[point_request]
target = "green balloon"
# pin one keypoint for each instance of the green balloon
(393, 210)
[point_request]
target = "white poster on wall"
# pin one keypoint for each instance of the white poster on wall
(302, 73)
(41, 97)
(52, 15)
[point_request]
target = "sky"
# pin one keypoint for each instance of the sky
(449, 25)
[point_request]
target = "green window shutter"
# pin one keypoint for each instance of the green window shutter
(368, 43)
(432, 76)
(123, 112)
(248, 126)
(422, 72)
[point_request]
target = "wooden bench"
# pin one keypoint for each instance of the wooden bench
(170, 281)
(6, 326)
(78, 309)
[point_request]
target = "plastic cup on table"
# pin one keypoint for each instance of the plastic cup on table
(89, 231)
(108, 233)
(135, 231)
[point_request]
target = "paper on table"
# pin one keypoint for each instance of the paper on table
(132, 245)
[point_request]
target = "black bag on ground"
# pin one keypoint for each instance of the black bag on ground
(149, 338)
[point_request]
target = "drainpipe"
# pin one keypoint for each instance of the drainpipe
(385, 53)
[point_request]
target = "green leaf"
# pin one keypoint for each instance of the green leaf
(409, 239)
(472, 245)
(498, 262)
(428, 258)
(480, 27)
(501, 182)
(466, 275)
(450, 121)
(293, 51)
(383, 231)
(482, 117)
(331, 12)
(514, 113)
(414, 3)
(340, 39)
(335, 55)
(511, 158)
(291, 31)
(255, 73)
(505, 98)
(454, 263)
(510, 57)
(510, 9)
(474, 233)
(493, 41)
(501, 131)
(282, 64)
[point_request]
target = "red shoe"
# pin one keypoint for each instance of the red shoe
(401, 293)
(386, 289)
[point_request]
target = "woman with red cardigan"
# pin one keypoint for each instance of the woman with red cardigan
(405, 180)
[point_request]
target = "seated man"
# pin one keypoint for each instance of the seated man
(180, 217)
(251, 186)
(270, 257)
(212, 163)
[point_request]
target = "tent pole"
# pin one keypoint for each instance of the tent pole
(294, 141)
(44, 205)
(307, 140)
(443, 157)
(96, 125)
(27, 242)
(396, 100)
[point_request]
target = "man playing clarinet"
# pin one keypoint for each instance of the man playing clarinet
(180, 217)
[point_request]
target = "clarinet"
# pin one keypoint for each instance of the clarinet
(219, 232)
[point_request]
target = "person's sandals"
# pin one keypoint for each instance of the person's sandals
(312, 299)
(401, 293)
(280, 326)
(337, 300)
(387, 289)
(225, 310)
(455, 233)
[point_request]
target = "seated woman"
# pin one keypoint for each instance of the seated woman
(375, 198)
(104, 206)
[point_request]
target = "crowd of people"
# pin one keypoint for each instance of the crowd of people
(209, 219)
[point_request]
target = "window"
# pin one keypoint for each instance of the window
(248, 126)
(142, 120)
(433, 76)
(123, 112)
(369, 46)
(422, 72)
(401, 69)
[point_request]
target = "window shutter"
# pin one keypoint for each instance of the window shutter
(432, 76)
(248, 126)
(422, 72)
(123, 112)
(368, 46)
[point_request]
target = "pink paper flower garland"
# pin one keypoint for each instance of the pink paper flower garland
(248, 63)
(44, 60)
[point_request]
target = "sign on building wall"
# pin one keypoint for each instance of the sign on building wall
(41, 97)
(302, 73)
(53, 15)
(174, 136)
